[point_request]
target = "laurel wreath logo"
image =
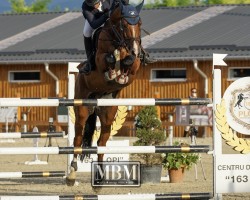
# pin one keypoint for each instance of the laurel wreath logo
(72, 114)
(116, 125)
(238, 144)
(119, 120)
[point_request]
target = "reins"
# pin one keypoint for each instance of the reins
(121, 40)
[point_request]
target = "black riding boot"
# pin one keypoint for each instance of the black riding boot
(145, 57)
(89, 52)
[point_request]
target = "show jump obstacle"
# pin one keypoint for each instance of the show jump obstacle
(102, 150)
(217, 152)
(197, 196)
(16, 135)
(34, 102)
(32, 174)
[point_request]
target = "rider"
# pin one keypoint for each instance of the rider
(96, 12)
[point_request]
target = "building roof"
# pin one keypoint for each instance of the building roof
(182, 33)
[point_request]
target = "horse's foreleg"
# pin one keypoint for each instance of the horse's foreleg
(79, 127)
(106, 116)
(104, 136)
(77, 143)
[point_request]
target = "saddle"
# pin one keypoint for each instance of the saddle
(95, 37)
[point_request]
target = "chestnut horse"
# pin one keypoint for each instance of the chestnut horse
(117, 61)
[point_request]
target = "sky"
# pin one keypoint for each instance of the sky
(62, 4)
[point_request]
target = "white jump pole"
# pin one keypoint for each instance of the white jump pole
(170, 130)
(18, 135)
(103, 150)
(33, 102)
(115, 197)
(29, 198)
(32, 174)
(217, 140)
(71, 128)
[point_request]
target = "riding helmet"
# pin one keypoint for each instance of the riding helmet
(92, 2)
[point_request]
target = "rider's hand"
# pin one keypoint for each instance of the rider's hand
(106, 10)
(107, 13)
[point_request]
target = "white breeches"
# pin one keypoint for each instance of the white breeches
(87, 29)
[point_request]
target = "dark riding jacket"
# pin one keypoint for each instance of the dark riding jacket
(95, 17)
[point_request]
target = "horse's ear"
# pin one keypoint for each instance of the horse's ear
(139, 7)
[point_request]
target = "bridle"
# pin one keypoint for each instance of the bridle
(121, 40)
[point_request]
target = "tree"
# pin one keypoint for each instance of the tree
(20, 6)
(149, 132)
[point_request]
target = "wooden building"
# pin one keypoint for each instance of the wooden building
(35, 57)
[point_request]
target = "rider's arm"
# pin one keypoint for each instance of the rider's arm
(94, 21)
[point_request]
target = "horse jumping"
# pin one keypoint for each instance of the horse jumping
(117, 61)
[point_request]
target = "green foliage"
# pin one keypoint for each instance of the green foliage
(149, 132)
(20, 6)
(178, 159)
(215, 1)
(148, 127)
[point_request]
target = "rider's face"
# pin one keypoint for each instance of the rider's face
(194, 93)
(96, 5)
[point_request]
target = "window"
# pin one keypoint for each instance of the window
(24, 76)
(235, 73)
(168, 75)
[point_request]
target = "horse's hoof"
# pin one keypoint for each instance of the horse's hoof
(122, 79)
(71, 178)
(110, 75)
(70, 182)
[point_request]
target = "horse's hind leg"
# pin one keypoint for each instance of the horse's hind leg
(81, 114)
(89, 130)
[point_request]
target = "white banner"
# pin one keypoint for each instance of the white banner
(232, 173)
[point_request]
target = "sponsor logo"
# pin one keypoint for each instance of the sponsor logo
(123, 173)
(237, 99)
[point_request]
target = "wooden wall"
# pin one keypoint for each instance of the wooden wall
(142, 88)
(43, 89)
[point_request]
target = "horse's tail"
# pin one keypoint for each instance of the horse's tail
(88, 132)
